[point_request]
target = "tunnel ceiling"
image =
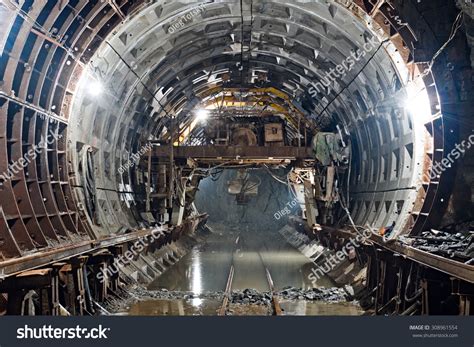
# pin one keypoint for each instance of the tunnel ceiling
(153, 68)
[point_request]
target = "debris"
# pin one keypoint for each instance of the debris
(315, 294)
(455, 241)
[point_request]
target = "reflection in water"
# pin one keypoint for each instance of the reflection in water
(196, 302)
(206, 268)
(248, 310)
(196, 284)
(193, 307)
(319, 308)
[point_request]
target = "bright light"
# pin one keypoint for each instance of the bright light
(89, 84)
(94, 88)
(202, 115)
(418, 104)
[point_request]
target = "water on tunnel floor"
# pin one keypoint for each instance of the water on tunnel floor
(206, 269)
(178, 307)
(247, 237)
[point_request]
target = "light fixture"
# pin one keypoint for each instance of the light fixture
(202, 115)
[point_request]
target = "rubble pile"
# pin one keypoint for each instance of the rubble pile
(238, 297)
(315, 294)
(251, 297)
(453, 242)
(164, 294)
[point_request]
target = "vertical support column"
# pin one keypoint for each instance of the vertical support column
(78, 277)
(425, 304)
(171, 172)
(75, 290)
(381, 271)
(148, 185)
(465, 292)
(49, 296)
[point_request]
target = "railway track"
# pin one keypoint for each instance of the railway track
(276, 308)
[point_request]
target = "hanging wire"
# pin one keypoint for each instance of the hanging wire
(454, 29)
(348, 213)
(276, 178)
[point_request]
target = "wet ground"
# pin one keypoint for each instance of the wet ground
(206, 269)
(320, 308)
(178, 307)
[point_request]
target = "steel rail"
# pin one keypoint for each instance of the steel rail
(277, 311)
(228, 292)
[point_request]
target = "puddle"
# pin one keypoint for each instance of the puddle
(192, 307)
(248, 310)
(320, 308)
(206, 267)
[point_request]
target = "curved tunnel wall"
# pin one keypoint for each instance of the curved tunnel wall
(40, 73)
(298, 43)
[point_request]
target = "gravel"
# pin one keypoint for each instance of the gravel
(251, 296)
(165, 294)
(238, 297)
(315, 294)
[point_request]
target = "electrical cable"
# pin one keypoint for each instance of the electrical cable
(417, 293)
(454, 29)
(255, 185)
(352, 81)
(276, 178)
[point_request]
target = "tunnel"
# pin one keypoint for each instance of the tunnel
(143, 135)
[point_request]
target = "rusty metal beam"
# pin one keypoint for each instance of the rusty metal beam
(59, 44)
(39, 259)
(116, 8)
(225, 153)
(42, 258)
(28, 280)
(51, 116)
(448, 266)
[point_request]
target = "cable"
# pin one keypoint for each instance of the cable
(153, 95)
(344, 207)
(355, 77)
(348, 213)
(43, 31)
(249, 188)
(454, 29)
(276, 178)
(215, 176)
(348, 183)
(418, 292)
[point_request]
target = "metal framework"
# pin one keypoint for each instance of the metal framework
(151, 74)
